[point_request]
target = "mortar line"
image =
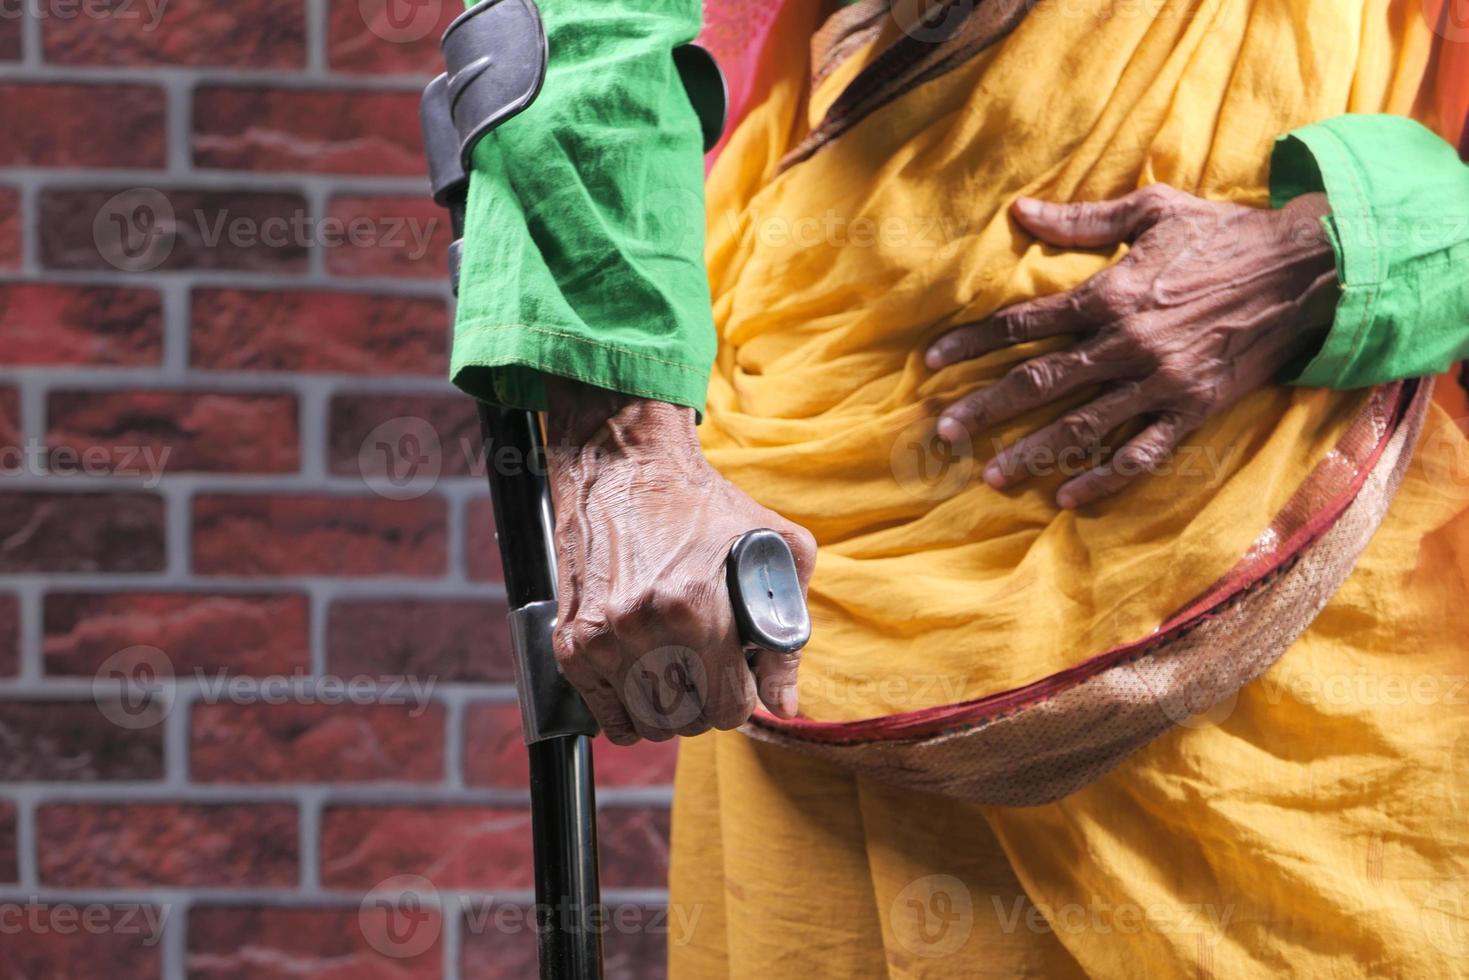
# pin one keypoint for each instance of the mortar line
(309, 810)
(32, 654)
(30, 238)
(31, 69)
(174, 363)
(317, 37)
(452, 937)
(32, 46)
(178, 123)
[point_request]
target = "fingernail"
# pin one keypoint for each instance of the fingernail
(949, 429)
(1027, 206)
(994, 476)
(787, 703)
(1065, 500)
(934, 359)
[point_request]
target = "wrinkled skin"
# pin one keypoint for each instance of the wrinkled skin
(1211, 301)
(645, 630)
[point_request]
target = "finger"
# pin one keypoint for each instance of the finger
(694, 720)
(1143, 453)
(732, 694)
(1066, 443)
(661, 694)
(803, 549)
(602, 700)
(1097, 223)
(610, 714)
(1049, 316)
(1037, 382)
(775, 680)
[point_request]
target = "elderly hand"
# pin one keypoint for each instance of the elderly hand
(645, 630)
(1210, 302)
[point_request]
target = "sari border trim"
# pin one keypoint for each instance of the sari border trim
(1379, 420)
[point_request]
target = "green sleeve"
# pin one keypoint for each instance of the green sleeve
(584, 230)
(1399, 225)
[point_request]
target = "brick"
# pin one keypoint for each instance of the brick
(453, 847)
(251, 635)
(9, 635)
(81, 532)
(388, 37)
(404, 237)
(319, 743)
(10, 427)
(312, 131)
(142, 432)
(287, 534)
(9, 855)
(447, 640)
(494, 756)
(73, 742)
(303, 330)
(481, 547)
(499, 942)
(120, 845)
(259, 34)
(101, 326)
(51, 941)
(63, 125)
(10, 228)
(439, 432)
(253, 942)
(633, 845)
(10, 38)
(147, 229)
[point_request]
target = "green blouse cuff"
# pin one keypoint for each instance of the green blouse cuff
(584, 229)
(1399, 226)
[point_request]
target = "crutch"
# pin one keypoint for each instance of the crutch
(496, 56)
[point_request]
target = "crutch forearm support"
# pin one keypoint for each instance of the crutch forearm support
(496, 54)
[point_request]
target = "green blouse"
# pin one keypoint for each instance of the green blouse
(583, 252)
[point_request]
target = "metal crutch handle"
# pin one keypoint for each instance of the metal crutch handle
(765, 592)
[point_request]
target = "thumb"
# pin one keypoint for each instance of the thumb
(1093, 224)
(775, 681)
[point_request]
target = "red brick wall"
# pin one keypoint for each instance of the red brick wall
(223, 333)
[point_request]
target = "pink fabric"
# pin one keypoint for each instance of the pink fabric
(735, 32)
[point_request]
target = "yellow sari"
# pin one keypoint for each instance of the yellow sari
(1315, 824)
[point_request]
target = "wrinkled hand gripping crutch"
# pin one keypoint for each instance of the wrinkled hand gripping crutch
(496, 55)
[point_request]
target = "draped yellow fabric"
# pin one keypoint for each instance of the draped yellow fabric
(1316, 826)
